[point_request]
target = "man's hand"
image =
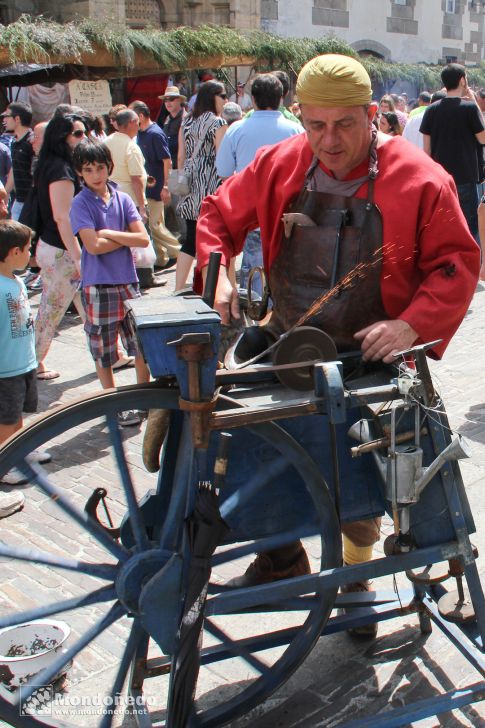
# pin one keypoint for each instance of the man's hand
(226, 302)
(165, 196)
(384, 338)
(143, 214)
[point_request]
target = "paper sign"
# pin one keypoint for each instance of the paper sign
(93, 96)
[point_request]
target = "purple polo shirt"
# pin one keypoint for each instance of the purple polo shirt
(89, 211)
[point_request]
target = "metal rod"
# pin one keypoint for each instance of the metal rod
(237, 599)
(384, 442)
(430, 707)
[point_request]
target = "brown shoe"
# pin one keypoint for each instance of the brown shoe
(263, 571)
(365, 631)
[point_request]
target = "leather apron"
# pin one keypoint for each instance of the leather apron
(315, 258)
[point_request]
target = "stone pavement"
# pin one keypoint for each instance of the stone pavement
(341, 679)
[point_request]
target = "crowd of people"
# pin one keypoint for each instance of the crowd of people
(97, 196)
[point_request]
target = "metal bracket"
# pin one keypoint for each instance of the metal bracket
(193, 347)
(329, 385)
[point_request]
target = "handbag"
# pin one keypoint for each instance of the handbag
(180, 180)
(144, 257)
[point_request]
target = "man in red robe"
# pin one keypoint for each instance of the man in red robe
(391, 209)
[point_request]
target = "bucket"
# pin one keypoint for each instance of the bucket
(28, 648)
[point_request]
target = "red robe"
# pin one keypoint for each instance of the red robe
(430, 261)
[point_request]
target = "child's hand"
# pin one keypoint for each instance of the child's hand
(105, 233)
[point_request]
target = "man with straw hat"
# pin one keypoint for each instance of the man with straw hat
(340, 196)
(174, 101)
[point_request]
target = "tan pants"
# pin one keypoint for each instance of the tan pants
(166, 245)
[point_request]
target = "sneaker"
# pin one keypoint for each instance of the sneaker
(13, 477)
(39, 456)
(263, 571)
(30, 277)
(129, 418)
(11, 503)
(36, 284)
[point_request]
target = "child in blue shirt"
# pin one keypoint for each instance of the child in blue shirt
(18, 363)
(108, 225)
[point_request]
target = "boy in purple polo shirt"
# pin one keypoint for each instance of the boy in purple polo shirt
(108, 225)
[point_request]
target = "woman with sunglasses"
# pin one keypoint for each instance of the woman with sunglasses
(58, 250)
(197, 155)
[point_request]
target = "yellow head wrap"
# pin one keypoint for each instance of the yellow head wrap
(333, 80)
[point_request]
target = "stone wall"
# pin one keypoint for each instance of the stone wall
(407, 31)
(243, 14)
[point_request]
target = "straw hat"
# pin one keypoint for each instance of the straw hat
(172, 92)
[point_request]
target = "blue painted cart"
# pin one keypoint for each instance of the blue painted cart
(363, 442)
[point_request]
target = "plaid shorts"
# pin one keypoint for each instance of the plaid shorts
(106, 318)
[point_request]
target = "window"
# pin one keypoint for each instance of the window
(400, 2)
(450, 6)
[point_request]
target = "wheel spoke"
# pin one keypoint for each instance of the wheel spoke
(262, 544)
(126, 660)
(136, 518)
(46, 676)
(236, 648)
(99, 571)
(253, 486)
(35, 472)
(105, 594)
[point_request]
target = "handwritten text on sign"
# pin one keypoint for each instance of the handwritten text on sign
(93, 96)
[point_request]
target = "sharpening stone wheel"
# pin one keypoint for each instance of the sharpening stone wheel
(305, 343)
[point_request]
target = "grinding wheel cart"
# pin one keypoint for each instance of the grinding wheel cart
(363, 441)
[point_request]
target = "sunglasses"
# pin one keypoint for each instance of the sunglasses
(223, 96)
(78, 134)
(7, 116)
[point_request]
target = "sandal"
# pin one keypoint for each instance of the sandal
(47, 374)
(124, 361)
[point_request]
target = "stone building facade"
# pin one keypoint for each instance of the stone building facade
(166, 14)
(406, 31)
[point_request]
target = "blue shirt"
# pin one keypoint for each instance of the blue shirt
(91, 212)
(5, 162)
(17, 353)
(153, 143)
(243, 139)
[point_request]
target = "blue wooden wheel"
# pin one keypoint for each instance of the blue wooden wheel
(123, 597)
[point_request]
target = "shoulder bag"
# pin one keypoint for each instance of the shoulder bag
(180, 180)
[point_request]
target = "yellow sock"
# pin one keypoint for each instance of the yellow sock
(355, 554)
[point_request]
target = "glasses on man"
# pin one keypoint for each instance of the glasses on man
(7, 116)
(79, 133)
